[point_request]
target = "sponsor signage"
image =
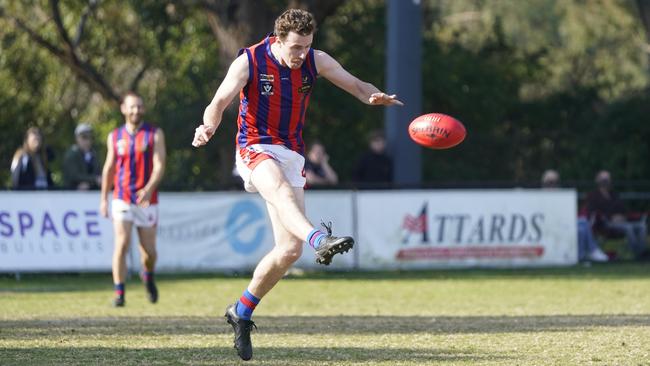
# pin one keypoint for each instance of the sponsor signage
(53, 231)
(230, 231)
(426, 229)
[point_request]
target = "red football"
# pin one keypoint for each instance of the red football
(437, 131)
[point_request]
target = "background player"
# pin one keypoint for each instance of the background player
(275, 79)
(135, 163)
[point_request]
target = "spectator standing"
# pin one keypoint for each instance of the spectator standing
(374, 166)
(318, 171)
(29, 167)
(588, 248)
(80, 163)
(608, 214)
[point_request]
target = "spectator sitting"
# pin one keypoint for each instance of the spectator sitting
(29, 167)
(374, 166)
(608, 214)
(588, 248)
(80, 164)
(317, 167)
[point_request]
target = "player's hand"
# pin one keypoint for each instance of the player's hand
(103, 208)
(202, 135)
(143, 197)
(384, 99)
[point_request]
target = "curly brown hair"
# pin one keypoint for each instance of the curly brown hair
(295, 20)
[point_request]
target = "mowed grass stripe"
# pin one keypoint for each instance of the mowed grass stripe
(597, 315)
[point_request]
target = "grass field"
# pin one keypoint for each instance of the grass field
(596, 315)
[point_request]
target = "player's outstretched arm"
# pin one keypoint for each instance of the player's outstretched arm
(234, 81)
(330, 69)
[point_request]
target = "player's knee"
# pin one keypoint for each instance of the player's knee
(291, 255)
(149, 250)
(121, 250)
(149, 256)
(281, 192)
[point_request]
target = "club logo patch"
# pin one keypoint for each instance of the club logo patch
(306, 85)
(121, 147)
(266, 84)
(267, 89)
(267, 77)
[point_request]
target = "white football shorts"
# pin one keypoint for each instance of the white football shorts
(140, 216)
(291, 163)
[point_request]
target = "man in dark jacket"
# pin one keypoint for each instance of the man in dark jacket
(80, 164)
(374, 167)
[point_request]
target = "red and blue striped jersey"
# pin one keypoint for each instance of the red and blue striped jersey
(274, 102)
(133, 161)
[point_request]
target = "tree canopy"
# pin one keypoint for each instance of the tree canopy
(539, 84)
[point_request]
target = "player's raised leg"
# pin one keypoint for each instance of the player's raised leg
(273, 186)
(148, 256)
(270, 181)
(122, 232)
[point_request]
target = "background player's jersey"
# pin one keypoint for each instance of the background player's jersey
(133, 161)
(274, 102)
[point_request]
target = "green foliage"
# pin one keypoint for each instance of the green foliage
(174, 49)
(539, 84)
(336, 118)
(535, 83)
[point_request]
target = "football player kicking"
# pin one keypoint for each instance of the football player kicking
(275, 78)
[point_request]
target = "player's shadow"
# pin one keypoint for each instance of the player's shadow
(609, 271)
(320, 325)
(285, 356)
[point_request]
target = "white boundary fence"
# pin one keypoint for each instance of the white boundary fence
(229, 231)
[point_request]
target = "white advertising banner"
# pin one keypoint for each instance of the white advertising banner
(53, 231)
(63, 231)
(487, 228)
(232, 231)
(334, 206)
(207, 231)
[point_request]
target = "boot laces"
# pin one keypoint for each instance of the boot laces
(327, 227)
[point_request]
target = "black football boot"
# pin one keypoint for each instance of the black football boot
(242, 329)
(332, 245)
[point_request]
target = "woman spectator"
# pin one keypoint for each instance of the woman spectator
(29, 167)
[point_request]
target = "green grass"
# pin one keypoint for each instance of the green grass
(596, 315)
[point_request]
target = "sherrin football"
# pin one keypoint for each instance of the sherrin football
(437, 131)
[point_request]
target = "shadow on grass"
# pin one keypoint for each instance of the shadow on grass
(226, 355)
(80, 282)
(606, 271)
(30, 329)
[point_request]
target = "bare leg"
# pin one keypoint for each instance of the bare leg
(148, 255)
(276, 191)
(122, 231)
(286, 251)
(148, 252)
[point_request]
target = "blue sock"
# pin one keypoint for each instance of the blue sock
(119, 290)
(246, 304)
(314, 238)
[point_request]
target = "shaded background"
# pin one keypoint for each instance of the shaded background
(539, 84)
